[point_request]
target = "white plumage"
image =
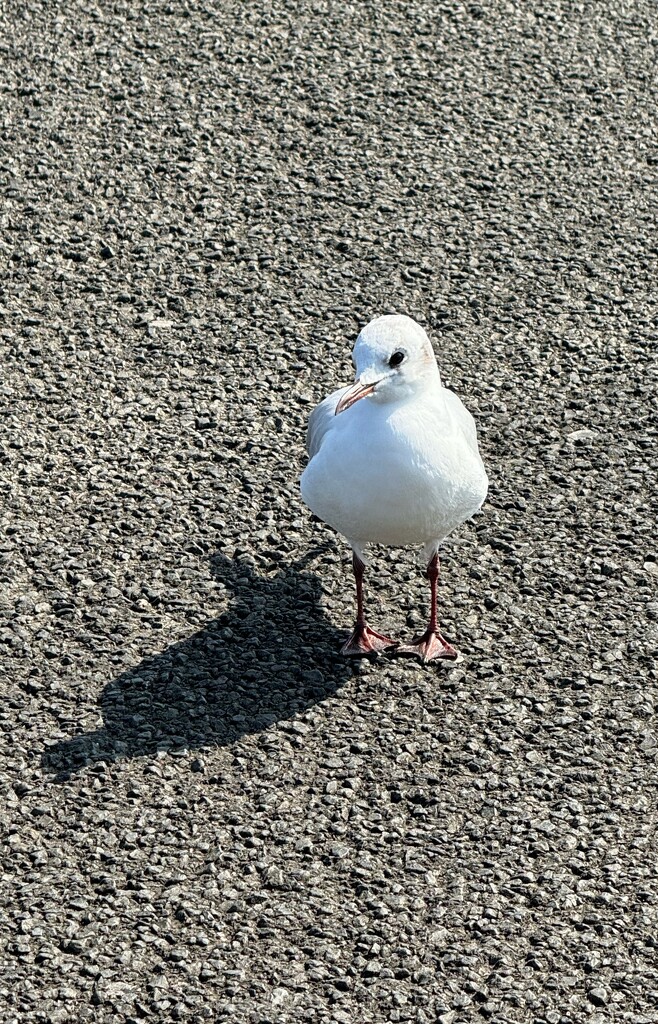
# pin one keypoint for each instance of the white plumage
(394, 458)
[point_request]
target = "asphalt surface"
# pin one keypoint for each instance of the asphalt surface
(207, 814)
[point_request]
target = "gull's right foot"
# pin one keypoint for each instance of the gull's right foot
(364, 641)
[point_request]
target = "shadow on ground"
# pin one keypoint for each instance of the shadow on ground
(269, 656)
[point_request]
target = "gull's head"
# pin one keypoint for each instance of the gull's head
(394, 361)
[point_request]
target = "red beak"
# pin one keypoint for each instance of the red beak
(354, 393)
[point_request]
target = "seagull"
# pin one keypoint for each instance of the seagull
(394, 460)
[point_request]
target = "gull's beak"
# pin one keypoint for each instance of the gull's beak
(353, 394)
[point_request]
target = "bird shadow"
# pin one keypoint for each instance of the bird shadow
(270, 655)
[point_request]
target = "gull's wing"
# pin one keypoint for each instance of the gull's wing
(462, 419)
(320, 421)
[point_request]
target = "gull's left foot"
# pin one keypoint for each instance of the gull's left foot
(429, 647)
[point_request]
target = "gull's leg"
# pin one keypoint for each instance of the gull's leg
(363, 640)
(431, 644)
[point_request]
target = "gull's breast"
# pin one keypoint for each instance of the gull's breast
(395, 480)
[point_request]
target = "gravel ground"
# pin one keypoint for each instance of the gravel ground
(207, 814)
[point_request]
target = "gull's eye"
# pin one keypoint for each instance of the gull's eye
(396, 359)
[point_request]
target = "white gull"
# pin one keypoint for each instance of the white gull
(394, 460)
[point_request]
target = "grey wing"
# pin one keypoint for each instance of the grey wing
(462, 419)
(320, 421)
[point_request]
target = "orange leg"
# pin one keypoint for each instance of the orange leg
(431, 644)
(363, 640)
